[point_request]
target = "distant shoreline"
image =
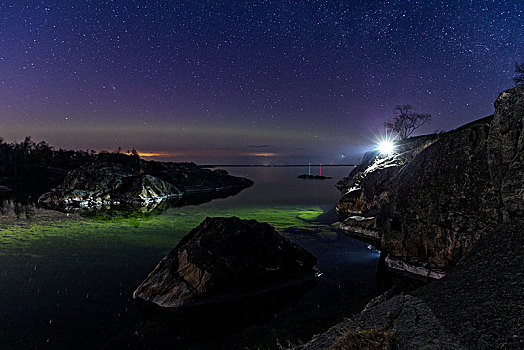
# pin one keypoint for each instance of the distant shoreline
(270, 166)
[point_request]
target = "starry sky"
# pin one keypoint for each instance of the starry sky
(248, 82)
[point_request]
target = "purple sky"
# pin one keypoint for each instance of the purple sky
(259, 82)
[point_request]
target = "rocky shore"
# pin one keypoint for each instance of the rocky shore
(477, 305)
(429, 203)
(448, 207)
(112, 180)
(71, 180)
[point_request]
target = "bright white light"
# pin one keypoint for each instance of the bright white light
(386, 147)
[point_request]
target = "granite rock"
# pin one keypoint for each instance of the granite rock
(225, 259)
(123, 180)
(433, 199)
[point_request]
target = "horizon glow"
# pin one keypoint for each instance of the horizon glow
(297, 81)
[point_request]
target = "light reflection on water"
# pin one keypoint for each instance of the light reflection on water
(69, 278)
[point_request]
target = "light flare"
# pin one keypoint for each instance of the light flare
(386, 147)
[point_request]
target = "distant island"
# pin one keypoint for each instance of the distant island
(270, 165)
(313, 177)
(71, 180)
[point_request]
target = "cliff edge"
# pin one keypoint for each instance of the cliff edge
(428, 204)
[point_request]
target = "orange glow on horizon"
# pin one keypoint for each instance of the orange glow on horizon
(204, 152)
(147, 154)
(263, 154)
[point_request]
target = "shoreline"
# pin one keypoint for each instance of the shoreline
(477, 305)
(448, 207)
(272, 165)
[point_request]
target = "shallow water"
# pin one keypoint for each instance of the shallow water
(66, 280)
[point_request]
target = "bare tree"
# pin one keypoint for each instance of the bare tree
(519, 69)
(405, 121)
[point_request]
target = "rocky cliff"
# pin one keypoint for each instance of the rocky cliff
(428, 204)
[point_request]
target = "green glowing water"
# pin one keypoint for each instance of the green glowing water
(61, 273)
(136, 228)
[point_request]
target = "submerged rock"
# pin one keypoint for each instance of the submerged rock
(226, 259)
(429, 203)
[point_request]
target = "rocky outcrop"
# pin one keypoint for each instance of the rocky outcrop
(369, 182)
(478, 305)
(428, 204)
(114, 180)
(108, 184)
(506, 151)
(226, 259)
(408, 319)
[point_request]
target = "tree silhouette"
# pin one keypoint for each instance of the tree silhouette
(405, 121)
(519, 69)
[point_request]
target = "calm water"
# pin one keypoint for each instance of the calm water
(66, 280)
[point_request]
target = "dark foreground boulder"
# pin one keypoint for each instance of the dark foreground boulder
(226, 259)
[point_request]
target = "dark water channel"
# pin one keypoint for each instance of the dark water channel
(66, 280)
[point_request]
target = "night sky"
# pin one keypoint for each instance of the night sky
(259, 82)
